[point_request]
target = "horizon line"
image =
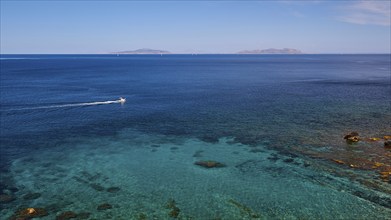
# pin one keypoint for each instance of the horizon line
(115, 54)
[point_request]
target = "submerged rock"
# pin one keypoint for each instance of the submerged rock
(31, 196)
(351, 138)
(174, 212)
(104, 206)
(66, 215)
(288, 160)
(209, 164)
(113, 189)
(387, 144)
(13, 189)
(171, 204)
(83, 215)
(29, 213)
(385, 176)
(142, 216)
(338, 161)
(377, 165)
(351, 134)
(244, 209)
(97, 187)
(387, 137)
(5, 198)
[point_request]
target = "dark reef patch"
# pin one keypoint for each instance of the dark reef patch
(113, 189)
(5, 198)
(66, 215)
(209, 164)
(31, 196)
(97, 187)
(104, 206)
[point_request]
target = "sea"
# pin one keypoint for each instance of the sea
(199, 136)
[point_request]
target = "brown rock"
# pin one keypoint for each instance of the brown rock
(338, 161)
(387, 137)
(351, 134)
(29, 213)
(385, 176)
(352, 137)
(209, 164)
(387, 144)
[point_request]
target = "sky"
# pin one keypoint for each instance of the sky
(89, 27)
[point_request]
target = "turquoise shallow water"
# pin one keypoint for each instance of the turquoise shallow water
(151, 170)
(276, 123)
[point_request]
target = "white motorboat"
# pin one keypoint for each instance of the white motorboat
(122, 100)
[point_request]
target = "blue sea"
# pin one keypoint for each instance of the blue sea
(273, 125)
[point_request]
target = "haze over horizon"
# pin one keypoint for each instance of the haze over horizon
(96, 27)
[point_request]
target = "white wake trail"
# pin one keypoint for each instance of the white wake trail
(70, 105)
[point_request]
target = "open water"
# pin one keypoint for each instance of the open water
(275, 122)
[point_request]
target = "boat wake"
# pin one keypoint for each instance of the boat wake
(120, 101)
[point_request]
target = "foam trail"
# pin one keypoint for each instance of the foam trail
(70, 105)
(17, 58)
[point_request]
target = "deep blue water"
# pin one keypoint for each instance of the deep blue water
(279, 101)
(192, 95)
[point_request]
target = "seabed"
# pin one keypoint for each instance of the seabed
(135, 175)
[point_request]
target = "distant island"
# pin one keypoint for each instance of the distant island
(143, 51)
(271, 51)
(265, 51)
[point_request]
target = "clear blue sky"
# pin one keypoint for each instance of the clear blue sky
(198, 26)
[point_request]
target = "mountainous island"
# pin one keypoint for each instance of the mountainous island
(264, 51)
(271, 51)
(143, 51)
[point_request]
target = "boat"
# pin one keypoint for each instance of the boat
(122, 100)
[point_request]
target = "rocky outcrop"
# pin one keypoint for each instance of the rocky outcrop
(352, 137)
